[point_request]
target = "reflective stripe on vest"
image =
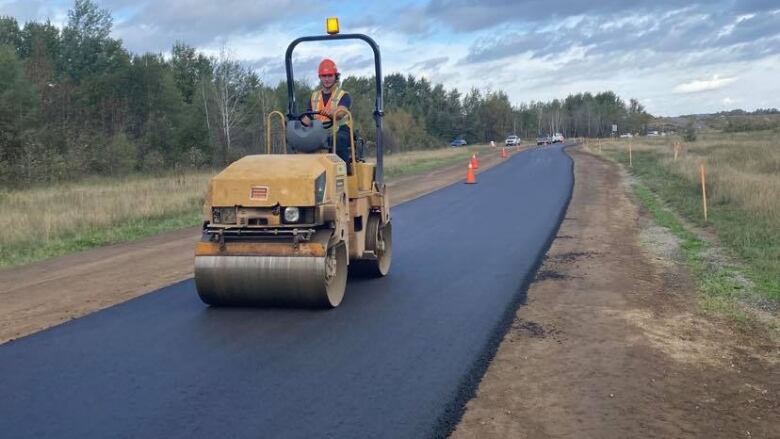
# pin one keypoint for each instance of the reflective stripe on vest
(333, 103)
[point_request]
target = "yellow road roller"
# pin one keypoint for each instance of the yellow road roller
(285, 229)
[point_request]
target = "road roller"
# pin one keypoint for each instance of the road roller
(285, 229)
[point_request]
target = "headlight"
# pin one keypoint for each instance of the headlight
(319, 189)
(292, 214)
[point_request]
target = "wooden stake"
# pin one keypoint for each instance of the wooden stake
(703, 191)
(630, 156)
(676, 150)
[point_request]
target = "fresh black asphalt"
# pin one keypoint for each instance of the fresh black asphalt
(398, 359)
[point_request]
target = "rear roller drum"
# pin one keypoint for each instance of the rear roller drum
(336, 274)
(379, 239)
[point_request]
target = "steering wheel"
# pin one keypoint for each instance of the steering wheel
(328, 124)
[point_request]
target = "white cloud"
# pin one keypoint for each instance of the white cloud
(662, 52)
(700, 85)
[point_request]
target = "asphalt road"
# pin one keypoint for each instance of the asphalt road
(397, 359)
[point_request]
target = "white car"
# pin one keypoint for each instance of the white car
(512, 141)
(557, 138)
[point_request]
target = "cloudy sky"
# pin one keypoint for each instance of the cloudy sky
(676, 57)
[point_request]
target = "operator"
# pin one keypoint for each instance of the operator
(326, 101)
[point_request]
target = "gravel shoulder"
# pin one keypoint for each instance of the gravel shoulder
(43, 294)
(612, 342)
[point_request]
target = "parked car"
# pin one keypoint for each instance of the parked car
(458, 142)
(543, 140)
(557, 138)
(626, 136)
(512, 141)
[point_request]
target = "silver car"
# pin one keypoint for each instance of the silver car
(512, 141)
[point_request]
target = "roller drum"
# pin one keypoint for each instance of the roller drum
(379, 240)
(262, 280)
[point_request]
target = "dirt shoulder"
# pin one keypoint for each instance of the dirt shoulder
(611, 342)
(47, 293)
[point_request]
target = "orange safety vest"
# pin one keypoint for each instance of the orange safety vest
(333, 103)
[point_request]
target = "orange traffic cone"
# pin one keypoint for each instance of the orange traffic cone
(503, 153)
(470, 179)
(474, 161)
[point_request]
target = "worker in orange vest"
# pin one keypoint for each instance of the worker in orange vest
(326, 100)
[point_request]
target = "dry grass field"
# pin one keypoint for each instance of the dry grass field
(41, 222)
(45, 221)
(743, 190)
(742, 168)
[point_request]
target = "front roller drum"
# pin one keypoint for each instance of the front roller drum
(296, 279)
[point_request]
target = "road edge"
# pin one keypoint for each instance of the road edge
(446, 423)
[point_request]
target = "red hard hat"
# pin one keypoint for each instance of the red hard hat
(327, 67)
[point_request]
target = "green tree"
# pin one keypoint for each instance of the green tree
(19, 115)
(404, 133)
(189, 69)
(472, 127)
(10, 34)
(86, 42)
(155, 111)
(495, 116)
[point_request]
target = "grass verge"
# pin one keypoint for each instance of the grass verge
(419, 162)
(718, 282)
(749, 237)
(96, 237)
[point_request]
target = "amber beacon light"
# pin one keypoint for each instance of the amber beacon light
(332, 25)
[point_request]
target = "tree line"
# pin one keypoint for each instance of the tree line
(74, 102)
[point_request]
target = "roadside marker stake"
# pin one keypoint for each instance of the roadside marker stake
(630, 156)
(703, 191)
(676, 150)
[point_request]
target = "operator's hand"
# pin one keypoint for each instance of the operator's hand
(327, 112)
